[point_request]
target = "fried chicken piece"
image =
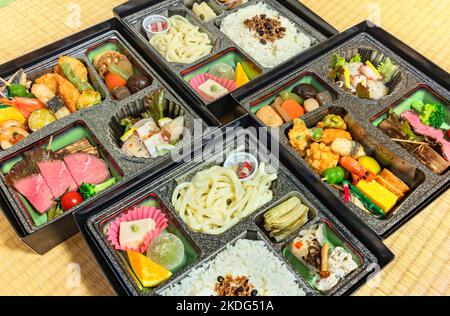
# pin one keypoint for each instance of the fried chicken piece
(320, 157)
(67, 92)
(48, 80)
(330, 134)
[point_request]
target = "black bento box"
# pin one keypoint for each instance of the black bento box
(97, 124)
(132, 12)
(91, 221)
(420, 78)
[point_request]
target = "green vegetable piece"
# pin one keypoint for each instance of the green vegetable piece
(37, 218)
(79, 83)
(115, 69)
(286, 95)
(337, 61)
(156, 103)
(334, 175)
(55, 212)
(334, 121)
(89, 190)
(407, 130)
(316, 133)
(433, 115)
(417, 105)
(387, 69)
(356, 58)
(134, 228)
(128, 122)
(250, 70)
(17, 90)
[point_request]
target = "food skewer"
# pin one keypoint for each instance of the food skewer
(408, 141)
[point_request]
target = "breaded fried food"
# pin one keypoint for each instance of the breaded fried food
(77, 66)
(67, 92)
(330, 134)
(48, 80)
(299, 136)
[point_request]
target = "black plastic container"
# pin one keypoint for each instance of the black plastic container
(125, 196)
(132, 8)
(42, 238)
(415, 72)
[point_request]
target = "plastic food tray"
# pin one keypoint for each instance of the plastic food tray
(99, 123)
(416, 73)
(92, 222)
(133, 13)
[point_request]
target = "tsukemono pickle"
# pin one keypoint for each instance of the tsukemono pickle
(367, 179)
(147, 239)
(121, 76)
(221, 74)
(367, 73)
(420, 122)
(29, 105)
(286, 217)
(56, 177)
(214, 199)
(244, 268)
(264, 34)
(292, 103)
(204, 10)
(321, 257)
(156, 130)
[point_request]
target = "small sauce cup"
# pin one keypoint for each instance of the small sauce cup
(155, 24)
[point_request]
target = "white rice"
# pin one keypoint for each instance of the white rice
(249, 258)
(271, 54)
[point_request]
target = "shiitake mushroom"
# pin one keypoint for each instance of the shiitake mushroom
(305, 91)
(138, 82)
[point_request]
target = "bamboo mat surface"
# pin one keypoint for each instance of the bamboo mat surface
(421, 247)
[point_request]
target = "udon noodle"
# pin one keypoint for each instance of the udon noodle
(215, 199)
(183, 43)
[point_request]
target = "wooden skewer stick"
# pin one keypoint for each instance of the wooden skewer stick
(49, 146)
(5, 82)
(408, 141)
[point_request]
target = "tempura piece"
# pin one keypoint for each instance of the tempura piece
(77, 66)
(48, 80)
(331, 134)
(68, 93)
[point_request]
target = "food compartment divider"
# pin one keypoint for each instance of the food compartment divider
(132, 12)
(96, 119)
(415, 70)
(208, 244)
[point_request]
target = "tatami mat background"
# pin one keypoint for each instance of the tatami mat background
(422, 246)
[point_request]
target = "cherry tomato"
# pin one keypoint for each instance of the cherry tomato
(70, 200)
(113, 81)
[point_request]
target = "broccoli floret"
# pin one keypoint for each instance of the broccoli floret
(432, 115)
(89, 190)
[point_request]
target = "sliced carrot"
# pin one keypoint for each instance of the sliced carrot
(113, 81)
(298, 245)
(293, 109)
